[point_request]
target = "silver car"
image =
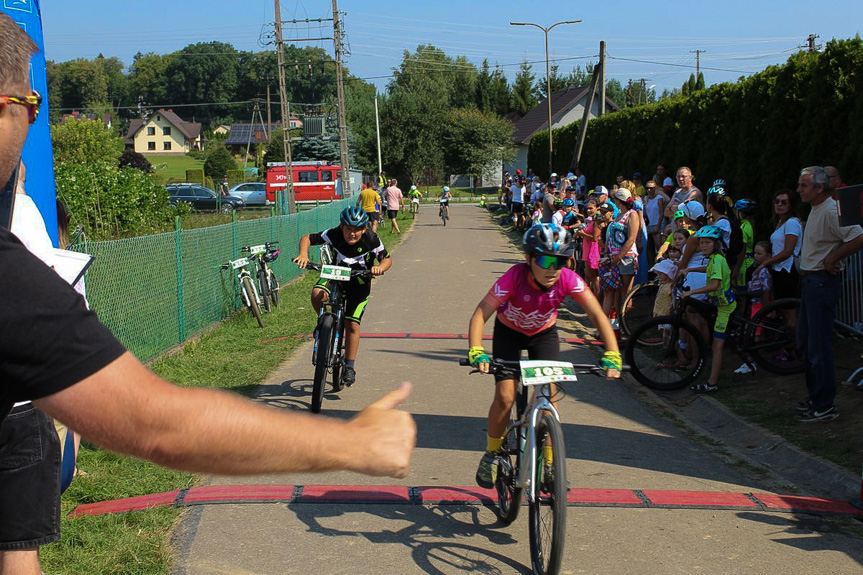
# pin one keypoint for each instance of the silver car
(252, 193)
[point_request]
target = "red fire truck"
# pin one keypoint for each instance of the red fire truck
(313, 181)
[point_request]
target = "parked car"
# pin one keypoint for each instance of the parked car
(252, 193)
(203, 199)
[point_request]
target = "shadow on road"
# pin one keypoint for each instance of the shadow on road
(813, 533)
(438, 537)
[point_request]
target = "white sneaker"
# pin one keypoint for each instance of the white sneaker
(745, 368)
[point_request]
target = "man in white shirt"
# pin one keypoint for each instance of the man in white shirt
(825, 244)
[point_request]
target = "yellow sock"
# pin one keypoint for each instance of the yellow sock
(493, 444)
(547, 454)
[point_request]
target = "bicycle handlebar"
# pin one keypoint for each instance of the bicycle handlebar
(354, 273)
(513, 368)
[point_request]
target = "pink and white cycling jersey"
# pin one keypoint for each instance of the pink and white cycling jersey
(523, 307)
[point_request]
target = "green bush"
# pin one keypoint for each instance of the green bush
(113, 202)
(195, 176)
(85, 142)
(236, 177)
(219, 161)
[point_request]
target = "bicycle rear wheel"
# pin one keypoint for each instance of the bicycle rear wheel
(772, 341)
(274, 287)
(251, 299)
(322, 362)
(548, 511)
(508, 495)
(263, 283)
(653, 349)
(637, 307)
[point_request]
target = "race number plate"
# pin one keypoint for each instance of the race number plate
(539, 372)
(255, 250)
(337, 273)
(240, 263)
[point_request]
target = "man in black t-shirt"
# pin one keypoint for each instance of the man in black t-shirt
(54, 351)
(356, 247)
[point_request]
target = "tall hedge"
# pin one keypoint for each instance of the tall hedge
(757, 133)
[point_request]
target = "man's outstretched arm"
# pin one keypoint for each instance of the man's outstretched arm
(126, 408)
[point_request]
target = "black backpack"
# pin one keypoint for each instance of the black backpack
(732, 251)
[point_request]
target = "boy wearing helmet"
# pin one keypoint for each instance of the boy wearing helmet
(359, 248)
(718, 289)
(526, 299)
(415, 195)
(444, 200)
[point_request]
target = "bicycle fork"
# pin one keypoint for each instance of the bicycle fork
(529, 448)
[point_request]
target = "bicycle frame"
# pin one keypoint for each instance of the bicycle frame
(538, 403)
(241, 266)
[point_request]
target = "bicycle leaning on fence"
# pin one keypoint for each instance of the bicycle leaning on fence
(329, 337)
(668, 352)
(248, 291)
(268, 284)
(521, 461)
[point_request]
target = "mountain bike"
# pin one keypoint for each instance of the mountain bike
(443, 213)
(668, 352)
(521, 462)
(251, 298)
(267, 281)
(637, 306)
(328, 350)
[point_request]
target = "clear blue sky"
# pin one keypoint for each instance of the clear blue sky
(738, 37)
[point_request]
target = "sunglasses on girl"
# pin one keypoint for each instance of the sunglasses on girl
(31, 102)
(551, 262)
(779, 202)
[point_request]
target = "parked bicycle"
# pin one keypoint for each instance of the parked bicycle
(637, 306)
(268, 284)
(248, 291)
(521, 462)
(328, 351)
(669, 352)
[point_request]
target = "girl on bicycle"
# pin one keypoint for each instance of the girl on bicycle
(718, 289)
(526, 299)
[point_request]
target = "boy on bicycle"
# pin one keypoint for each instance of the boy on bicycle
(356, 247)
(526, 299)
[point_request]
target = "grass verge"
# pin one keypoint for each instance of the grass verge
(231, 357)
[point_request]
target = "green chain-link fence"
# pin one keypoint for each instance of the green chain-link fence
(154, 292)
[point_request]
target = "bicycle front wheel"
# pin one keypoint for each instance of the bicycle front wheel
(263, 283)
(252, 299)
(637, 308)
(338, 360)
(548, 510)
(322, 361)
(772, 340)
(508, 495)
(666, 353)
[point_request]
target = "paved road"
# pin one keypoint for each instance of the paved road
(614, 441)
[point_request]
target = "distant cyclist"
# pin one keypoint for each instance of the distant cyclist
(526, 299)
(358, 248)
(445, 197)
(415, 195)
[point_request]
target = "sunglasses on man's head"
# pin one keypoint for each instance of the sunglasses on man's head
(31, 102)
(551, 262)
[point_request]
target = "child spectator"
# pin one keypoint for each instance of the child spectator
(665, 272)
(718, 289)
(745, 210)
(590, 235)
(760, 281)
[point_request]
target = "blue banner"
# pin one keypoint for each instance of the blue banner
(37, 155)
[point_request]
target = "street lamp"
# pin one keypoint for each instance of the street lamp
(547, 77)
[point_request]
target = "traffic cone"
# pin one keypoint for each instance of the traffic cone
(615, 323)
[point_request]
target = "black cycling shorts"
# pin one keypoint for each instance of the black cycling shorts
(29, 480)
(507, 344)
(356, 297)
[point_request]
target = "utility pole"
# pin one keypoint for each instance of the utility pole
(286, 115)
(340, 94)
(269, 110)
(810, 43)
(378, 130)
(602, 78)
(697, 62)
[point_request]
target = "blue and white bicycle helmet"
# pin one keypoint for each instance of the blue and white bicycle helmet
(568, 202)
(354, 216)
(746, 205)
(719, 182)
(712, 232)
(548, 239)
(446, 188)
(716, 190)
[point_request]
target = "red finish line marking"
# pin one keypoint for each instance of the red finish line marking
(570, 340)
(443, 495)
